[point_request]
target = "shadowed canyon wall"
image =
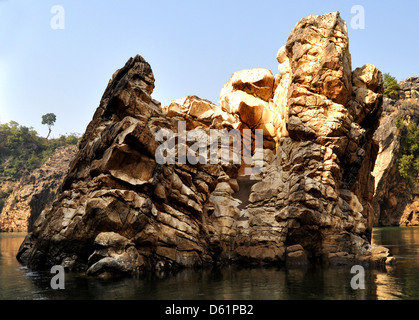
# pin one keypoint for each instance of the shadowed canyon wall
(396, 199)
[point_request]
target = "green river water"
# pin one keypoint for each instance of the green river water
(230, 283)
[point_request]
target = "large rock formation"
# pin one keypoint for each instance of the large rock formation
(35, 192)
(279, 173)
(396, 200)
(319, 186)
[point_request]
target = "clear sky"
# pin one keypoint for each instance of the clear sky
(193, 47)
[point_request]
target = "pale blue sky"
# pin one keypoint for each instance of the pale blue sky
(193, 48)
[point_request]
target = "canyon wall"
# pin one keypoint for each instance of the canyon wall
(396, 199)
(35, 192)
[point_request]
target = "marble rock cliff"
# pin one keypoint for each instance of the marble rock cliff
(291, 185)
(35, 192)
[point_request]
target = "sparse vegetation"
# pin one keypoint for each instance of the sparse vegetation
(23, 150)
(408, 162)
(391, 87)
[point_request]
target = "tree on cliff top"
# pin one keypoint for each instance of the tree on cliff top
(49, 119)
(391, 87)
(23, 150)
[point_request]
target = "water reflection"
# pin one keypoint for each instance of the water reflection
(15, 281)
(236, 283)
(400, 281)
(387, 287)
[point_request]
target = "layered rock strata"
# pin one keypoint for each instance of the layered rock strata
(409, 88)
(156, 188)
(35, 192)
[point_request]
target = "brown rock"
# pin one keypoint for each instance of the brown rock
(35, 192)
(296, 256)
(318, 49)
(310, 200)
(256, 82)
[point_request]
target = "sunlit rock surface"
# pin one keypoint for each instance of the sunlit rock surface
(35, 192)
(123, 210)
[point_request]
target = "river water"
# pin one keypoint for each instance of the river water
(228, 283)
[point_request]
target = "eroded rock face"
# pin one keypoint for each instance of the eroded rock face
(123, 209)
(320, 187)
(35, 192)
(396, 200)
(248, 96)
(409, 88)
